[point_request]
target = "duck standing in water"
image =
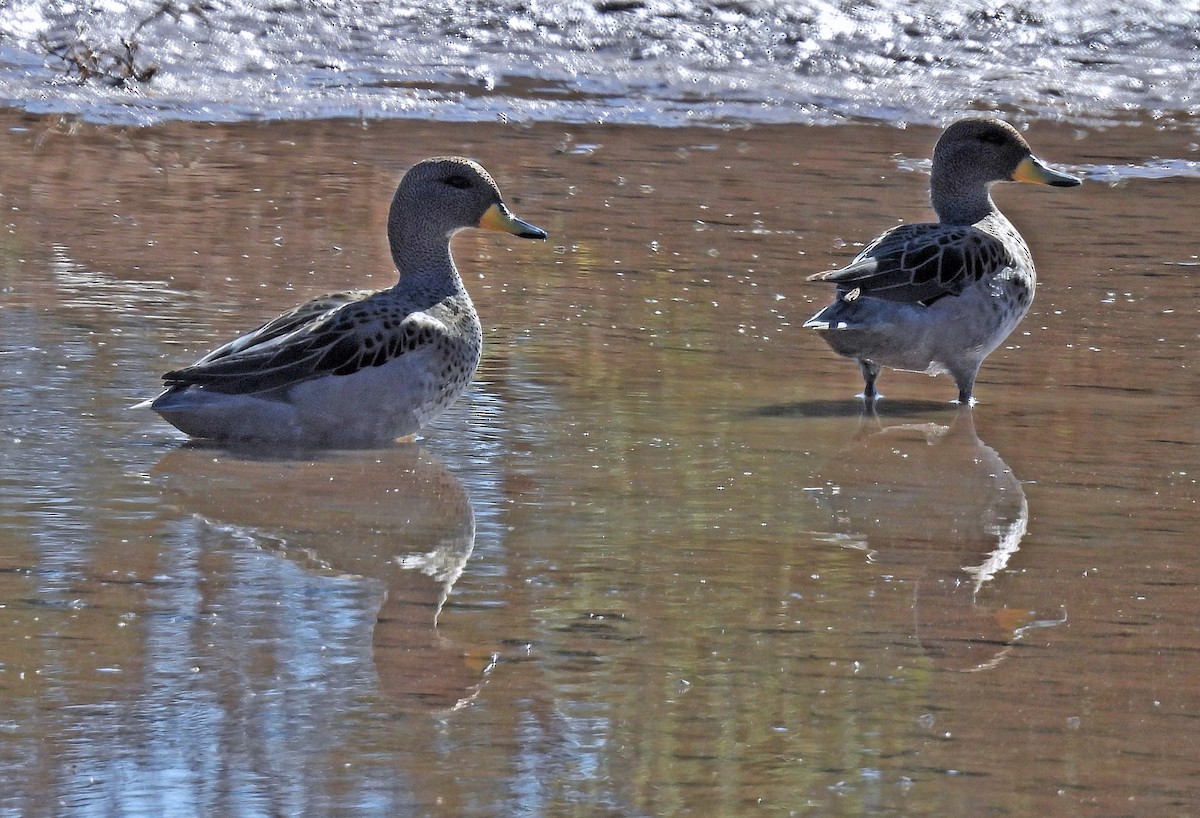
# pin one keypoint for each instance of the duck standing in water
(359, 368)
(939, 297)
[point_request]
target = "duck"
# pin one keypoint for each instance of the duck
(939, 297)
(366, 367)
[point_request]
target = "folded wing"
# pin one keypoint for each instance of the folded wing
(920, 263)
(332, 335)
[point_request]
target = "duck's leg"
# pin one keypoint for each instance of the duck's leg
(870, 371)
(965, 380)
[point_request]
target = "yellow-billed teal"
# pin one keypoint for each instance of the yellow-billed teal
(939, 297)
(358, 368)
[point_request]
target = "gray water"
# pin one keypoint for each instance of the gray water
(603, 61)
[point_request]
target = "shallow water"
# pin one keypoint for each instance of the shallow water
(654, 562)
(629, 61)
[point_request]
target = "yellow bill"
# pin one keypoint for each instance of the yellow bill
(1034, 171)
(499, 217)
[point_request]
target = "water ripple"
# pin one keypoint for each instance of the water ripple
(666, 64)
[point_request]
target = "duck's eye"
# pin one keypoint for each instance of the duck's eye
(458, 181)
(992, 138)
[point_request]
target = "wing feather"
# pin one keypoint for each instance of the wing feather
(920, 263)
(332, 335)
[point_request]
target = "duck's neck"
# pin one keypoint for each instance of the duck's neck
(424, 260)
(959, 202)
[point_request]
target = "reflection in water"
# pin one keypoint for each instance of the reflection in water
(403, 520)
(934, 504)
(153, 664)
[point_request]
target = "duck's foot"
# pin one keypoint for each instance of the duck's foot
(870, 372)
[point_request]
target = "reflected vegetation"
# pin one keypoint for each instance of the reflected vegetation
(401, 519)
(935, 506)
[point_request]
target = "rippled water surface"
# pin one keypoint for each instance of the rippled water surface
(628, 61)
(654, 562)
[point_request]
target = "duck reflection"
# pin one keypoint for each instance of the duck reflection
(398, 517)
(934, 505)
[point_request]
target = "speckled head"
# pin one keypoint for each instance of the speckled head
(972, 154)
(440, 196)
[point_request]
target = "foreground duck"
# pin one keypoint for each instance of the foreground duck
(358, 368)
(939, 297)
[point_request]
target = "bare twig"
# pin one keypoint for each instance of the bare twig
(118, 65)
